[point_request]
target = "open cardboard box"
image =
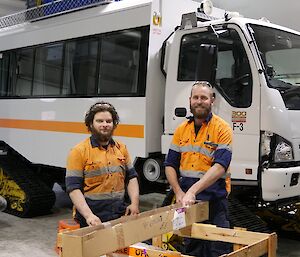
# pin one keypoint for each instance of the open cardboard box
(125, 231)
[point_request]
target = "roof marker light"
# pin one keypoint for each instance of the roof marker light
(206, 7)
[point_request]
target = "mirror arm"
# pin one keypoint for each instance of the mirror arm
(215, 32)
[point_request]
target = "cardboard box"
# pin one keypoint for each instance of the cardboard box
(120, 233)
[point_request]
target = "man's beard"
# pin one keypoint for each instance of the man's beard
(203, 114)
(101, 138)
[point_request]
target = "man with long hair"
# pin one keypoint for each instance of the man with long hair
(99, 171)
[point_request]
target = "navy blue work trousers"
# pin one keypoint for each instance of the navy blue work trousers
(218, 215)
(106, 210)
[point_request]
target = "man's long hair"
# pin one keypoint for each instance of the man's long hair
(101, 107)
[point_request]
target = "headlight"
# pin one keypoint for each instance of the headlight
(274, 149)
(265, 145)
(283, 152)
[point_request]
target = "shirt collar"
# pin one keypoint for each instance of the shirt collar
(208, 118)
(95, 143)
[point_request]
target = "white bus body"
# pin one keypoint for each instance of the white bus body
(39, 127)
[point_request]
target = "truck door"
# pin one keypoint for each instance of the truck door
(236, 87)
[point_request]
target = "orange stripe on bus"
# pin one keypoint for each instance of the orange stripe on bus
(123, 130)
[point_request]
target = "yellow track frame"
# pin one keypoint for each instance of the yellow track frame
(14, 195)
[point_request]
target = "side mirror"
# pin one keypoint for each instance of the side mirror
(270, 71)
(180, 112)
(206, 63)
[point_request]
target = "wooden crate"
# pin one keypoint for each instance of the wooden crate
(246, 243)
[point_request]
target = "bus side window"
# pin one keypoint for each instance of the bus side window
(119, 65)
(4, 74)
(23, 63)
(108, 64)
(80, 67)
(48, 70)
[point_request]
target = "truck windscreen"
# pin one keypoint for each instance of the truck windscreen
(280, 52)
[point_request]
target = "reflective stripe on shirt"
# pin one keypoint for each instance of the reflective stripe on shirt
(198, 174)
(199, 149)
(105, 196)
(103, 170)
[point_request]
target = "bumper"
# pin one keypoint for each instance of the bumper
(280, 183)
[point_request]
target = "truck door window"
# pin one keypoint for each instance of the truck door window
(233, 76)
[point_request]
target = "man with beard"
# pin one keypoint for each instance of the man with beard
(99, 170)
(200, 153)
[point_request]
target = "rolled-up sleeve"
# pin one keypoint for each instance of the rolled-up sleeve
(173, 159)
(223, 153)
(174, 155)
(74, 172)
(130, 170)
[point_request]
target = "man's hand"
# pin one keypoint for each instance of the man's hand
(132, 209)
(188, 199)
(179, 196)
(93, 220)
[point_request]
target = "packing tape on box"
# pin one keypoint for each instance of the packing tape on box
(119, 234)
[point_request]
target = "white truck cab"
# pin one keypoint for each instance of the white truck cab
(254, 68)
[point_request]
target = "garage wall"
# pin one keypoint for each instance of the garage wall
(285, 13)
(11, 6)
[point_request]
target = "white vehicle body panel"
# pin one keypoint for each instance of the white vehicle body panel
(51, 147)
(276, 183)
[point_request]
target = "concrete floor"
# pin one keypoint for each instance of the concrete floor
(36, 237)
